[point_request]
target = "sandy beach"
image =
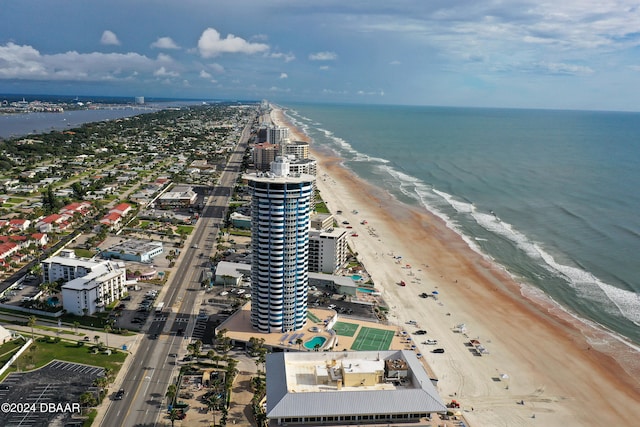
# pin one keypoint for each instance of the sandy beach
(565, 371)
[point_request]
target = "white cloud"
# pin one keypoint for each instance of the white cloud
(217, 68)
(23, 62)
(324, 67)
(211, 45)
(562, 68)
(284, 76)
(109, 38)
(288, 57)
(205, 75)
(323, 56)
(370, 93)
(164, 43)
(163, 72)
(395, 63)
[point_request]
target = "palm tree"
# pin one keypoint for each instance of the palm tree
(299, 343)
(107, 329)
(96, 338)
(76, 324)
(174, 415)
(32, 322)
(87, 399)
(214, 401)
(172, 391)
(101, 383)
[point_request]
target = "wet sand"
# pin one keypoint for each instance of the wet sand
(567, 372)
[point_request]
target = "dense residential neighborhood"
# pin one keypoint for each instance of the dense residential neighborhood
(94, 178)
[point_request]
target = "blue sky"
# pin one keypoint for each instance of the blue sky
(576, 54)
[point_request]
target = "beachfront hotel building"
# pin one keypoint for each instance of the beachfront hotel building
(89, 285)
(277, 135)
(298, 149)
(363, 387)
(263, 155)
(280, 212)
(327, 250)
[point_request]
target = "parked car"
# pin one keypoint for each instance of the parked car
(119, 395)
(438, 350)
(430, 342)
(420, 332)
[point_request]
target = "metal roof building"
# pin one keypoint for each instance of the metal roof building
(313, 388)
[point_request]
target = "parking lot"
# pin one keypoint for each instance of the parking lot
(50, 394)
(133, 311)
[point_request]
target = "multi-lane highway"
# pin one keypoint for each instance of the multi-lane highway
(153, 366)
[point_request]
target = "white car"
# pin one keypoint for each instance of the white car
(332, 306)
(430, 342)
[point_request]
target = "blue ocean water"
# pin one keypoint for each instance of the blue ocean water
(552, 196)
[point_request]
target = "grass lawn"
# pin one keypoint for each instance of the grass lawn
(15, 200)
(372, 339)
(345, 329)
(83, 253)
(41, 353)
(187, 229)
(8, 349)
(321, 208)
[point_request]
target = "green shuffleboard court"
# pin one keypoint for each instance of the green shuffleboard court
(313, 317)
(345, 329)
(372, 339)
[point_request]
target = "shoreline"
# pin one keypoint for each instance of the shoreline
(553, 359)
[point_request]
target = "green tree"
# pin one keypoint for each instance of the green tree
(214, 402)
(174, 415)
(171, 393)
(32, 322)
(107, 329)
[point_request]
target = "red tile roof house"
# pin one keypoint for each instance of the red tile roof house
(21, 241)
(49, 223)
(19, 224)
(123, 209)
(41, 239)
(8, 249)
(76, 207)
(112, 219)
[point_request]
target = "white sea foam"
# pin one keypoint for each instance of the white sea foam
(585, 283)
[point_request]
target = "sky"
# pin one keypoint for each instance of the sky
(560, 54)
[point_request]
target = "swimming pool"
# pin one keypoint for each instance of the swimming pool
(356, 277)
(366, 290)
(317, 340)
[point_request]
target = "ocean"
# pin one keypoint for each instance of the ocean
(551, 196)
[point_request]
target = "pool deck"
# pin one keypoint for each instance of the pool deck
(238, 328)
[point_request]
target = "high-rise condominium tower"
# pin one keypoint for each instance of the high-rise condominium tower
(280, 212)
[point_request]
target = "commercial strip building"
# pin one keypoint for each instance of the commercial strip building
(179, 197)
(90, 285)
(348, 387)
(134, 250)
